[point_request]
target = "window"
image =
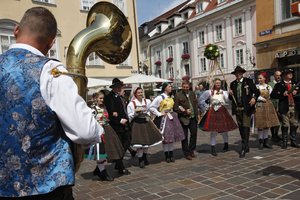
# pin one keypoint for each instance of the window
(87, 4)
(201, 38)
(221, 1)
(46, 1)
(187, 69)
(238, 26)
(185, 16)
(286, 8)
(171, 72)
(6, 41)
(221, 60)
(171, 24)
(145, 54)
(52, 53)
(199, 7)
(159, 73)
(170, 52)
(203, 64)
(219, 34)
(239, 56)
(93, 59)
(145, 30)
(158, 29)
(185, 48)
(121, 5)
(158, 55)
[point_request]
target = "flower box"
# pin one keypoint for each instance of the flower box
(169, 60)
(158, 63)
(185, 56)
(186, 78)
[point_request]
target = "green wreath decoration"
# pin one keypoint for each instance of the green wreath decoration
(211, 52)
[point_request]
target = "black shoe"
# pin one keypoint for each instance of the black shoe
(213, 151)
(167, 158)
(243, 153)
(104, 176)
(171, 156)
(132, 152)
(294, 144)
(261, 144)
(266, 145)
(124, 171)
(225, 149)
(145, 159)
(141, 162)
(96, 172)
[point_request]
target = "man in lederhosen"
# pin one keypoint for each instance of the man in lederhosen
(285, 91)
(243, 94)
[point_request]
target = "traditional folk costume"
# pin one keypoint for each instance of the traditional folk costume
(217, 119)
(286, 109)
(144, 132)
(168, 124)
(265, 115)
(275, 129)
(111, 149)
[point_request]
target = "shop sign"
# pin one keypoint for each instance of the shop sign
(266, 32)
(286, 53)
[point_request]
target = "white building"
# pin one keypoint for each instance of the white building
(230, 24)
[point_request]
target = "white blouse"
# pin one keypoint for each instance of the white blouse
(144, 106)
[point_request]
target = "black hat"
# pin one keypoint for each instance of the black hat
(116, 83)
(287, 71)
(238, 69)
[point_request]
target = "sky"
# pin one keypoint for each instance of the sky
(150, 9)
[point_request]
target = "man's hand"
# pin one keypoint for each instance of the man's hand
(294, 92)
(286, 93)
(115, 114)
(188, 111)
(123, 121)
(252, 102)
(230, 92)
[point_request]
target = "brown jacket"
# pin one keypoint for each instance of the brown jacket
(182, 100)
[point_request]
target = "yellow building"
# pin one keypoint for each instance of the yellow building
(71, 18)
(278, 33)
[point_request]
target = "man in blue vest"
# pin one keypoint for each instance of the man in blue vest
(40, 116)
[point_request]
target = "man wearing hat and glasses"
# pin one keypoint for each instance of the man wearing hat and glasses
(285, 91)
(118, 119)
(244, 94)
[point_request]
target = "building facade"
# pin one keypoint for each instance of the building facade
(230, 24)
(71, 18)
(277, 42)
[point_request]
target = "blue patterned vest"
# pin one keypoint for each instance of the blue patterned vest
(35, 155)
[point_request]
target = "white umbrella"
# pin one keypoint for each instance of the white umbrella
(94, 82)
(141, 78)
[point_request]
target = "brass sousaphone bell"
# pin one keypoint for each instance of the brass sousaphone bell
(108, 33)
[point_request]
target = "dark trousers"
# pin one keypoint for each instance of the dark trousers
(244, 123)
(124, 137)
(189, 147)
(61, 193)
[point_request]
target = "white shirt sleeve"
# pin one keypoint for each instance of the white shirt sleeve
(61, 95)
(154, 106)
(130, 111)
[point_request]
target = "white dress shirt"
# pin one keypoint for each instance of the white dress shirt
(61, 95)
(145, 104)
(154, 106)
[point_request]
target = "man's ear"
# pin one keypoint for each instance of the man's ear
(16, 31)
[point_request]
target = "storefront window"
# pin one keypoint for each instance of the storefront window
(286, 8)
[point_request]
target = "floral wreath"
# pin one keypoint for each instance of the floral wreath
(211, 52)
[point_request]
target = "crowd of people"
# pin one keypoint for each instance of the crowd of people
(42, 117)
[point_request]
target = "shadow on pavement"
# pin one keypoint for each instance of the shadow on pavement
(277, 170)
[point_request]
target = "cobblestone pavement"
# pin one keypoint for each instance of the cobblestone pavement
(263, 174)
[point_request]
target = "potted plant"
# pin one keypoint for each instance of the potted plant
(158, 63)
(169, 60)
(185, 56)
(186, 78)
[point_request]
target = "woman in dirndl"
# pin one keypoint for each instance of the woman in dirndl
(144, 132)
(265, 115)
(216, 119)
(111, 148)
(167, 120)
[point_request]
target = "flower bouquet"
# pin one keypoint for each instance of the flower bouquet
(211, 52)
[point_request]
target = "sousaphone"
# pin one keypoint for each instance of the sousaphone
(108, 33)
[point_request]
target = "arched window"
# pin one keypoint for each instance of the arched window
(6, 34)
